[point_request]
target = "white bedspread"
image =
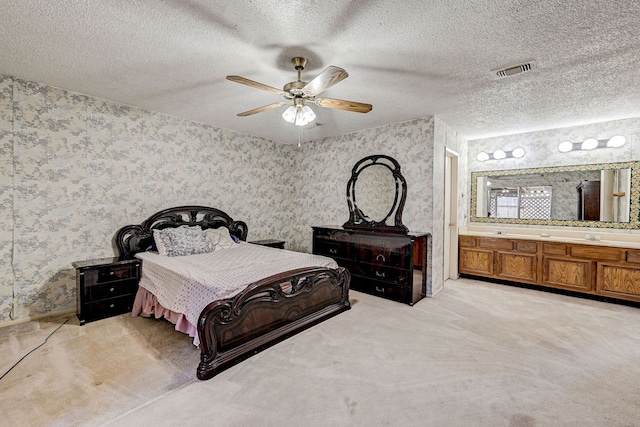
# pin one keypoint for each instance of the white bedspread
(188, 284)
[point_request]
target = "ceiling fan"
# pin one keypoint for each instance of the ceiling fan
(300, 93)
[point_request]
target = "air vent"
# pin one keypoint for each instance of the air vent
(516, 69)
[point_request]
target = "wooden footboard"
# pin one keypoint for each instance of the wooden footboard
(267, 312)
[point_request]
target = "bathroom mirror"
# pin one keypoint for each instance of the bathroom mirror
(376, 193)
(603, 195)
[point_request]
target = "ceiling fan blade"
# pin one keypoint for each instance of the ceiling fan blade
(257, 85)
(323, 81)
(339, 104)
(261, 109)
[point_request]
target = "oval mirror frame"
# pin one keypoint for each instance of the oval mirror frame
(359, 219)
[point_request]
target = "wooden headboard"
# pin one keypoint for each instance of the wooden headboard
(132, 239)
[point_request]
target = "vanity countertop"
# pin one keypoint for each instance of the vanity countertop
(585, 237)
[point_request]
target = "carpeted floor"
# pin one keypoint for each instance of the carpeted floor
(478, 354)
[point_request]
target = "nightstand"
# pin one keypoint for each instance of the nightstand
(105, 287)
(270, 242)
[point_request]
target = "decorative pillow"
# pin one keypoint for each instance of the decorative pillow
(161, 240)
(219, 238)
(183, 241)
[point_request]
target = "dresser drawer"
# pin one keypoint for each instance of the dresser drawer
(383, 273)
(383, 289)
(333, 249)
(333, 235)
(385, 251)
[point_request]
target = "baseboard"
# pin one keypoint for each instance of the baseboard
(68, 312)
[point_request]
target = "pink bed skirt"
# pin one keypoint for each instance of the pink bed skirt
(146, 305)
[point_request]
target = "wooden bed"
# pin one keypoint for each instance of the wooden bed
(265, 312)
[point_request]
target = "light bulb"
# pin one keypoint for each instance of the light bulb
(517, 153)
(308, 115)
(616, 141)
(482, 156)
(565, 147)
(589, 144)
(290, 114)
(499, 154)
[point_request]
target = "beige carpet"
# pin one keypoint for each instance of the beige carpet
(478, 354)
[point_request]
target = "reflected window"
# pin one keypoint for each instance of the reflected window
(520, 202)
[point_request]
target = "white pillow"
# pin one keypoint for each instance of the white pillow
(182, 241)
(219, 238)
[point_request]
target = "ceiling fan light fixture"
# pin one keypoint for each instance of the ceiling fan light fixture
(300, 115)
(306, 115)
(290, 114)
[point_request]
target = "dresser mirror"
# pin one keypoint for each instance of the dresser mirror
(376, 193)
(603, 195)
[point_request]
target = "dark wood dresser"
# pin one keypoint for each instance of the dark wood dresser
(387, 265)
(106, 287)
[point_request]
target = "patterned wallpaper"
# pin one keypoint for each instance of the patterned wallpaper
(74, 169)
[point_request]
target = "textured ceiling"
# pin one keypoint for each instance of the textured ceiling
(409, 59)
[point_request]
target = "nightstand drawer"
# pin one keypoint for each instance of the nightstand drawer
(110, 273)
(111, 290)
(107, 308)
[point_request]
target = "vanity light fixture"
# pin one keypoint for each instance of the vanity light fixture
(516, 153)
(592, 143)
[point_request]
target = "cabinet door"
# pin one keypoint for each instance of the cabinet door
(476, 261)
(618, 280)
(519, 267)
(567, 273)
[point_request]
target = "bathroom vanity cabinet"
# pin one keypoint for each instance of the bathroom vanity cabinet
(608, 271)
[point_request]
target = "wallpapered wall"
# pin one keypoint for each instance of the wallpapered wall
(74, 169)
(541, 148)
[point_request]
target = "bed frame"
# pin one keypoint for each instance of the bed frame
(265, 313)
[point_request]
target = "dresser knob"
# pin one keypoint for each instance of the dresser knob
(333, 251)
(378, 274)
(111, 273)
(112, 289)
(379, 289)
(112, 305)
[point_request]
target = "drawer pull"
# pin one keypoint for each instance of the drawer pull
(112, 305)
(333, 251)
(111, 273)
(378, 274)
(381, 257)
(112, 289)
(378, 289)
